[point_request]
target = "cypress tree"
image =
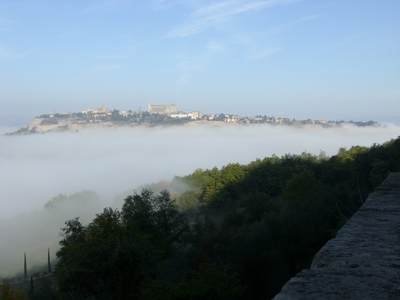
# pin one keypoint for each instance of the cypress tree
(25, 271)
(48, 261)
(31, 289)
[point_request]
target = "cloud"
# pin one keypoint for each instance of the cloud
(212, 9)
(279, 28)
(217, 13)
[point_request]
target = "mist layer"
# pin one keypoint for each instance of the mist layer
(36, 168)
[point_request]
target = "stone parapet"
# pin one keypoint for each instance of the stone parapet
(363, 261)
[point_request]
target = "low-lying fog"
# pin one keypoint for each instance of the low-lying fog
(36, 168)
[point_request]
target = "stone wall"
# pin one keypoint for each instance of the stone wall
(363, 261)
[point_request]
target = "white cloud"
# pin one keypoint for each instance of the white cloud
(217, 13)
(212, 9)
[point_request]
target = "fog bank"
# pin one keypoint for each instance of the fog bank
(36, 168)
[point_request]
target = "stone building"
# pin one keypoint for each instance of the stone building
(163, 109)
(98, 112)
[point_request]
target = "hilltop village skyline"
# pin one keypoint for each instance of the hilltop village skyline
(159, 115)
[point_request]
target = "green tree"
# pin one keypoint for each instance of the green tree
(112, 255)
(300, 186)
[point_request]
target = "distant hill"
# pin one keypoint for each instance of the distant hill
(106, 118)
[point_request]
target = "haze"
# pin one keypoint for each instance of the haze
(35, 168)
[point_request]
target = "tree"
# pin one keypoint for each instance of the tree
(6, 293)
(300, 186)
(31, 289)
(71, 269)
(112, 255)
(210, 281)
(48, 261)
(25, 269)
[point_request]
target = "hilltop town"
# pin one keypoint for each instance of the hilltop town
(157, 115)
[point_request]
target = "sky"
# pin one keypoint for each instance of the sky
(335, 60)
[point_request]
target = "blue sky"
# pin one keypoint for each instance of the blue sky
(298, 59)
